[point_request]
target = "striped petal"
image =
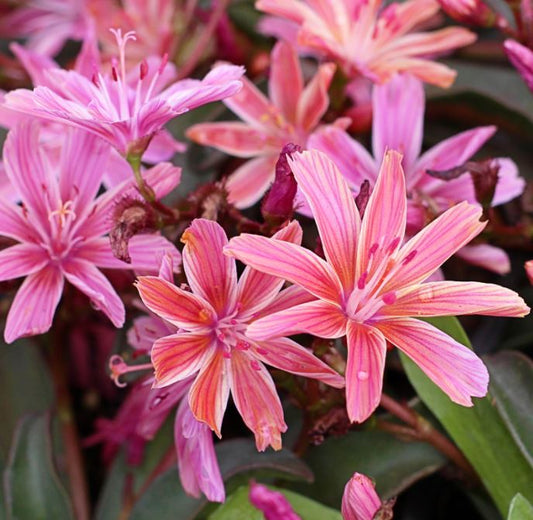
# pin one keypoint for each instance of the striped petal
(180, 307)
(287, 355)
(34, 305)
(364, 370)
(320, 318)
(288, 261)
(21, 260)
(333, 207)
(179, 356)
(211, 274)
(256, 398)
(450, 365)
(208, 396)
(457, 298)
(432, 246)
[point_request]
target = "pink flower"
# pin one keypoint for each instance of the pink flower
(522, 59)
(60, 227)
(473, 12)
(360, 500)
(212, 343)
(272, 504)
(398, 121)
(47, 24)
(369, 39)
(528, 266)
(290, 115)
(110, 107)
(370, 284)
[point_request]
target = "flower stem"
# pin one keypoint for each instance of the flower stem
(75, 467)
(423, 430)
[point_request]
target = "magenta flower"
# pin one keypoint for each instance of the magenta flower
(290, 116)
(272, 504)
(370, 284)
(360, 500)
(60, 227)
(370, 39)
(212, 342)
(109, 106)
(398, 122)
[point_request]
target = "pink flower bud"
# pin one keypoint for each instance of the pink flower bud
(272, 503)
(473, 12)
(360, 500)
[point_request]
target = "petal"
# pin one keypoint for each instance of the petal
(364, 370)
(197, 461)
(34, 305)
(285, 89)
(179, 356)
(91, 282)
(211, 274)
(398, 118)
(432, 246)
(453, 367)
(21, 260)
(383, 226)
(487, 256)
(336, 215)
(314, 100)
(180, 307)
(457, 298)
(233, 137)
(289, 297)
(248, 183)
(13, 224)
(208, 396)
(360, 500)
(320, 318)
(510, 184)
(287, 355)
(288, 261)
(255, 289)
(255, 396)
(352, 159)
(145, 331)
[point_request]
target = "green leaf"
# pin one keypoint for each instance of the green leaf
(32, 487)
(520, 509)
(238, 507)
(238, 460)
(392, 463)
(511, 375)
(479, 431)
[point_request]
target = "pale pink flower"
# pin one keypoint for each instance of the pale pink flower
(370, 39)
(522, 59)
(47, 24)
(211, 342)
(109, 106)
(528, 266)
(60, 227)
(360, 500)
(370, 284)
(272, 504)
(398, 124)
(289, 116)
(162, 146)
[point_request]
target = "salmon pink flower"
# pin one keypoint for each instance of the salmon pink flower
(370, 39)
(212, 343)
(398, 124)
(60, 227)
(290, 115)
(370, 284)
(109, 106)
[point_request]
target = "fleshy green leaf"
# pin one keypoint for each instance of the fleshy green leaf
(32, 487)
(238, 507)
(392, 463)
(511, 376)
(480, 431)
(238, 460)
(520, 509)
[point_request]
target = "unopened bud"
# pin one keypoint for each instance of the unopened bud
(278, 203)
(473, 12)
(131, 216)
(362, 198)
